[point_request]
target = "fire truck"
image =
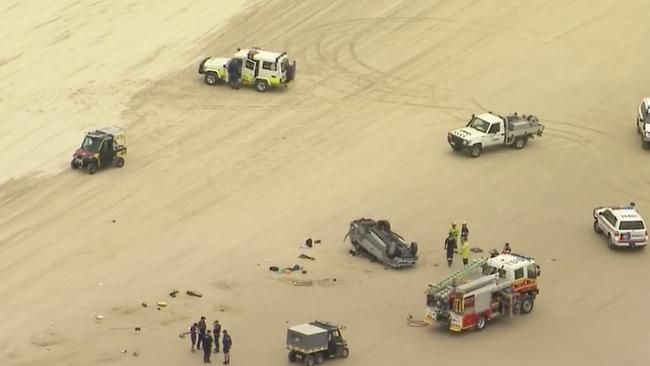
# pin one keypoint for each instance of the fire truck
(486, 289)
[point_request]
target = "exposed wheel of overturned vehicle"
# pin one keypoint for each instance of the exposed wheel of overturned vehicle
(414, 248)
(383, 225)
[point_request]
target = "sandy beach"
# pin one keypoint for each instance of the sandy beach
(220, 184)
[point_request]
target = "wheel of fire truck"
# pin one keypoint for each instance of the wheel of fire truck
(596, 228)
(481, 322)
(320, 358)
(91, 168)
(520, 142)
(211, 78)
(310, 361)
(292, 356)
(527, 304)
(344, 352)
(261, 85)
(73, 164)
(414, 248)
(476, 150)
(119, 162)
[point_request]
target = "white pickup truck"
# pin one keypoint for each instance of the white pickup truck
(488, 129)
(622, 225)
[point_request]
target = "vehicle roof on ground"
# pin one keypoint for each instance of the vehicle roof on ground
(625, 213)
(307, 329)
(261, 55)
(509, 260)
(115, 131)
(489, 117)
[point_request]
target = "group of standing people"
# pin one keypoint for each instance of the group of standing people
(456, 237)
(200, 335)
(452, 241)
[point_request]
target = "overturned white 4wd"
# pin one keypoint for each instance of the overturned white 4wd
(258, 68)
(487, 130)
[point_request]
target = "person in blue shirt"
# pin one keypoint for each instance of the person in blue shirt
(227, 343)
(234, 73)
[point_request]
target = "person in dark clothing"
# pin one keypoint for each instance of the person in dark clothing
(217, 333)
(464, 232)
(207, 346)
(193, 332)
(234, 73)
(202, 327)
(450, 246)
(227, 343)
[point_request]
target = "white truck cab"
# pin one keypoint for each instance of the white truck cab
(643, 122)
(622, 225)
(488, 129)
(512, 267)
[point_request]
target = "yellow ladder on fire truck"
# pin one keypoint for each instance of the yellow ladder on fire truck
(458, 274)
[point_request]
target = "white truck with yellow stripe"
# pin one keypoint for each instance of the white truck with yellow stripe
(259, 68)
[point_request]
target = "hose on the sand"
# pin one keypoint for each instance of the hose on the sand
(415, 323)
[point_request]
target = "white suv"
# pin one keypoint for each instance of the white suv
(622, 225)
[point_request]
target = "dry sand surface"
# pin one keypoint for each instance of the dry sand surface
(219, 183)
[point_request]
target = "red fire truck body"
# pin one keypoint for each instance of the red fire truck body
(505, 285)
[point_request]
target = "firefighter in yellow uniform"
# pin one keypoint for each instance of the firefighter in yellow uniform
(464, 252)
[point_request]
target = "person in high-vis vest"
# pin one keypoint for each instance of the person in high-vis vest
(454, 232)
(464, 252)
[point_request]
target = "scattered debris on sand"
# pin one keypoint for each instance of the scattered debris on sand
(194, 293)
